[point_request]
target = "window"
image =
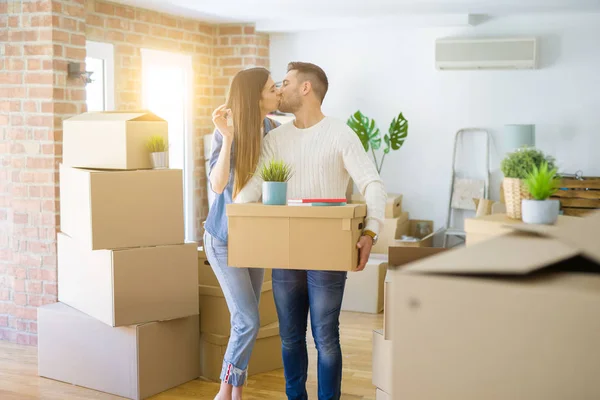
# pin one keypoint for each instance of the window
(100, 94)
(167, 83)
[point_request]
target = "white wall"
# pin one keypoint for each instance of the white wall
(385, 70)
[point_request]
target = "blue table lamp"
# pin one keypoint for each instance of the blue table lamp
(516, 136)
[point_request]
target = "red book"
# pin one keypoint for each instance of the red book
(317, 200)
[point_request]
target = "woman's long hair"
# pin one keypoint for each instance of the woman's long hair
(244, 98)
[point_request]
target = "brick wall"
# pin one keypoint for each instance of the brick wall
(37, 40)
(35, 95)
(236, 47)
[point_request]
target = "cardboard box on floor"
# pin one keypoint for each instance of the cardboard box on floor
(364, 289)
(381, 395)
(214, 313)
(111, 139)
(514, 316)
(398, 258)
(118, 209)
(206, 275)
(491, 226)
(382, 362)
(135, 361)
(128, 286)
(393, 229)
(393, 207)
(311, 238)
(266, 355)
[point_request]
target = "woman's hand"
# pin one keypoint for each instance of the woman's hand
(219, 117)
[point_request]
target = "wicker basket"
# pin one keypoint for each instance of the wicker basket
(514, 192)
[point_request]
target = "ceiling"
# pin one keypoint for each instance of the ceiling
(297, 15)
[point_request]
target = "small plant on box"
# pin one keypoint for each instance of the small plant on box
(275, 176)
(157, 146)
(275, 171)
(542, 182)
(516, 166)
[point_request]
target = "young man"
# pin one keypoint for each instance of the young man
(324, 153)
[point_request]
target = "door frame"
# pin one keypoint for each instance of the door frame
(106, 52)
(184, 61)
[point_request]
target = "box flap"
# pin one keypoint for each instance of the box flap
(579, 233)
(511, 254)
(401, 255)
(216, 291)
(116, 116)
(260, 210)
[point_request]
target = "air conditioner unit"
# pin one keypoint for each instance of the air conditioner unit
(497, 53)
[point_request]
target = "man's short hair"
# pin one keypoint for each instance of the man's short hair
(314, 74)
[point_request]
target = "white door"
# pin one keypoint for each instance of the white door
(100, 93)
(167, 82)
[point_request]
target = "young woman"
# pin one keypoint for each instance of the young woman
(240, 125)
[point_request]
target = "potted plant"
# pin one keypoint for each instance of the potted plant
(370, 136)
(516, 167)
(541, 183)
(158, 148)
(275, 176)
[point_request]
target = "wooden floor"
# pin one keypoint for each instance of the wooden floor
(19, 380)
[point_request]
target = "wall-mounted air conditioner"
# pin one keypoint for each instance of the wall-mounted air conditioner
(496, 53)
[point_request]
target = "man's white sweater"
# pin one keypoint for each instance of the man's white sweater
(323, 157)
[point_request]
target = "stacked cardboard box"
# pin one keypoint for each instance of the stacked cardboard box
(480, 229)
(382, 339)
(513, 316)
(216, 327)
(127, 318)
(364, 291)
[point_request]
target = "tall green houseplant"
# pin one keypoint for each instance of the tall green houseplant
(370, 136)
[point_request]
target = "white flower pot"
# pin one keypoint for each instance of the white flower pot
(159, 160)
(540, 211)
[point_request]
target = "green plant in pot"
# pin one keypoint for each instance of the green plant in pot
(516, 167)
(541, 183)
(275, 175)
(159, 154)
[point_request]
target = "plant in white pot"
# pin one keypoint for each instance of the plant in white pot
(275, 176)
(541, 183)
(159, 154)
(516, 166)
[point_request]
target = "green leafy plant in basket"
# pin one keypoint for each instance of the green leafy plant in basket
(370, 136)
(520, 163)
(275, 171)
(156, 144)
(516, 167)
(542, 182)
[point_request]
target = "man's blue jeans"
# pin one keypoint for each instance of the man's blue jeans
(321, 292)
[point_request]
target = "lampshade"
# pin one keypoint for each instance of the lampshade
(516, 136)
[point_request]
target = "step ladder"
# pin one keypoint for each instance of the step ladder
(464, 189)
